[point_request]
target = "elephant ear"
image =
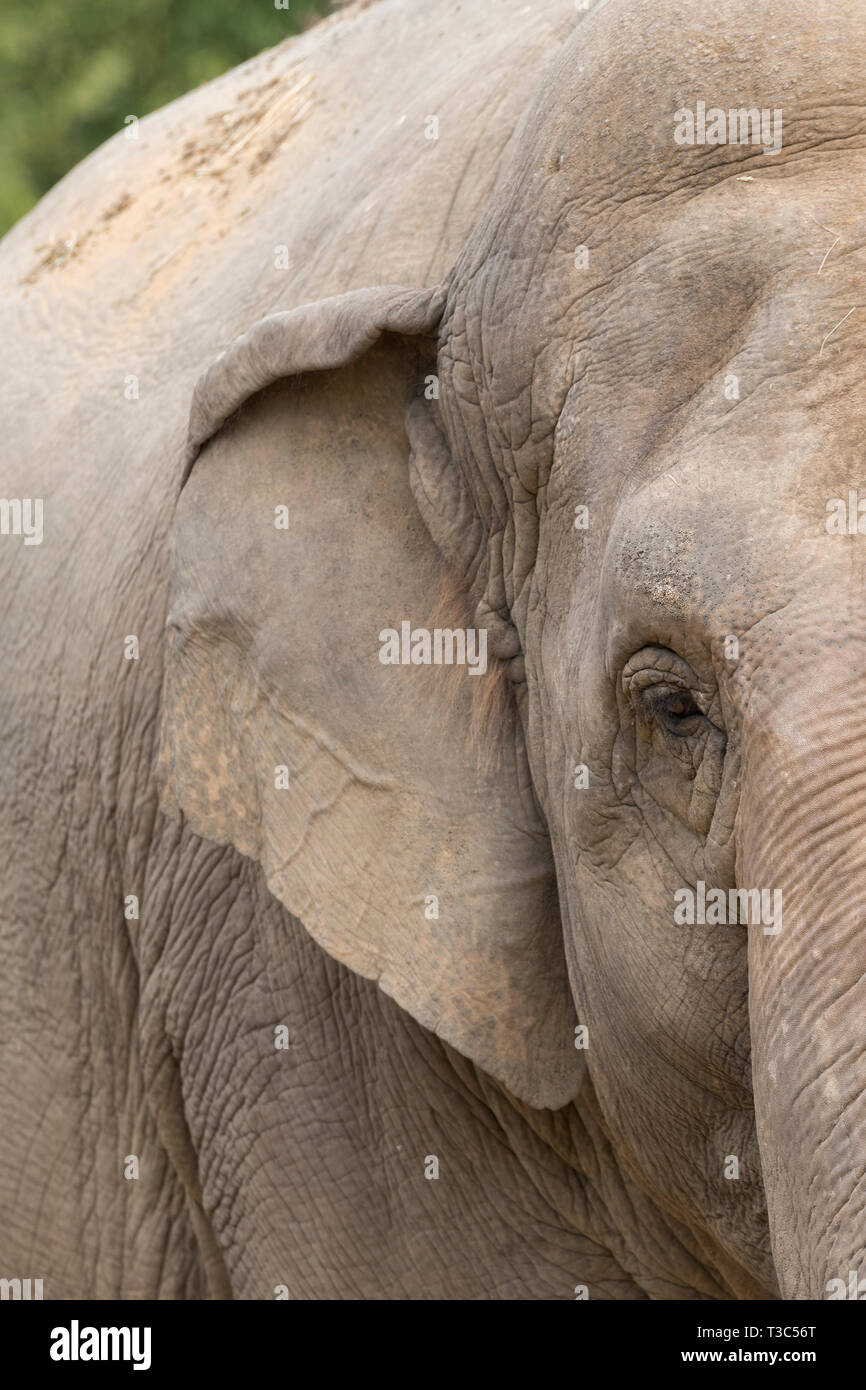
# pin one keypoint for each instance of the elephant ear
(410, 848)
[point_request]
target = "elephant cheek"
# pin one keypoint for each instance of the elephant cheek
(802, 818)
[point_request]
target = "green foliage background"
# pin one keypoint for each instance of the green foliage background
(70, 70)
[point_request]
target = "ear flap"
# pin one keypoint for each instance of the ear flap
(311, 338)
(409, 854)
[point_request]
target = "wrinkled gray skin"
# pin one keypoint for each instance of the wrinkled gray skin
(559, 385)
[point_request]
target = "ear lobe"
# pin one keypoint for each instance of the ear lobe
(407, 855)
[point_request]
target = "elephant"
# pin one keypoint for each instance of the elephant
(433, 790)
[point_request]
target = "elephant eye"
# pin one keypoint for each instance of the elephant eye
(666, 695)
(675, 708)
(673, 737)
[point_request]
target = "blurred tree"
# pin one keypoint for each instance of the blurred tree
(70, 70)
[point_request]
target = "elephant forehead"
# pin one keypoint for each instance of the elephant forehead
(604, 221)
(663, 304)
(625, 292)
(644, 103)
(723, 350)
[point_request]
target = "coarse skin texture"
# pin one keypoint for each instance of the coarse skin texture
(303, 186)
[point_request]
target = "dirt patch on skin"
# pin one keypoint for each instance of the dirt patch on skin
(55, 254)
(242, 138)
(251, 132)
(119, 205)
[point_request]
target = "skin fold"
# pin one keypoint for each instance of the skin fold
(432, 351)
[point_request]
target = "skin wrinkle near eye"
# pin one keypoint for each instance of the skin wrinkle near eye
(651, 663)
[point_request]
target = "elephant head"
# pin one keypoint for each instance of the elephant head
(607, 442)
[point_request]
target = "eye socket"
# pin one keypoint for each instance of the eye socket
(672, 750)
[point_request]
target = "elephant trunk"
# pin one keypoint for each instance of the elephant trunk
(802, 830)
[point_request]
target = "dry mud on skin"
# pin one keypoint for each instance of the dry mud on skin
(231, 147)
